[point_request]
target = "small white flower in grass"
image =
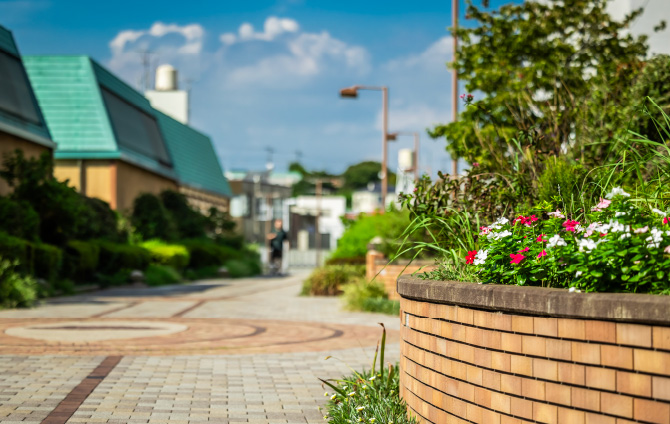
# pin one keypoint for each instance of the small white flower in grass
(372, 420)
(325, 394)
(625, 235)
(502, 234)
(351, 394)
(556, 240)
(659, 212)
(578, 273)
(333, 397)
(372, 378)
(616, 191)
(360, 408)
(655, 239)
(574, 290)
(618, 214)
(586, 245)
(480, 257)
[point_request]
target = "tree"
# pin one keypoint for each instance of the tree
(151, 219)
(189, 222)
(532, 67)
(359, 175)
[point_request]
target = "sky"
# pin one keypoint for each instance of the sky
(266, 73)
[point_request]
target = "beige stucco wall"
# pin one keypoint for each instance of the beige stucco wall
(203, 200)
(9, 143)
(133, 181)
(68, 170)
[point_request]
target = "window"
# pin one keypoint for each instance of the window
(135, 129)
(16, 95)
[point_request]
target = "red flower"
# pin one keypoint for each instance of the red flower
(539, 238)
(542, 253)
(470, 258)
(666, 220)
(525, 249)
(516, 259)
(525, 220)
(570, 225)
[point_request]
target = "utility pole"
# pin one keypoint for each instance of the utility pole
(454, 79)
(298, 156)
(317, 234)
(270, 165)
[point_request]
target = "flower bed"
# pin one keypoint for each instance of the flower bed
(620, 246)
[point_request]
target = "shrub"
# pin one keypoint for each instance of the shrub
(98, 221)
(81, 259)
(115, 257)
(19, 219)
(202, 273)
(205, 253)
(114, 279)
(189, 222)
(353, 260)
(236, 241)
(151, 219)
(160, 275)
(330, 280)
(174, 255)
(15, 290)
(36, 259)
(561, 179)
(247, 267)
(358, 292)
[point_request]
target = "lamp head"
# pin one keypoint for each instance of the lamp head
(349, 92)
(392, 136)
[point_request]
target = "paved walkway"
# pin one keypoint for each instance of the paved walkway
(219, 351)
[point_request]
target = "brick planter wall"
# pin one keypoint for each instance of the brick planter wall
(505, 354)
(377, 268)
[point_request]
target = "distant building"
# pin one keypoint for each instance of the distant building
(113, 145)
(303, 213)
(370, 199)
(22, 124)
(167, 97)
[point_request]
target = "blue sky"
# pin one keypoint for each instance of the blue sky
(267, 73)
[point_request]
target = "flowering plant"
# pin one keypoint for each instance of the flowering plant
(615, 247)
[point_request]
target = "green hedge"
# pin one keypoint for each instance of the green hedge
(205, 253)
(115, 257)
(81, 260)
(36, 259)
(174, 255)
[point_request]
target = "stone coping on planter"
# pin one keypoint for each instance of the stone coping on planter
(623, 307)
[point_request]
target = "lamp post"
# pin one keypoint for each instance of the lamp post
(394, 136)
(454, 79)
(352, 93)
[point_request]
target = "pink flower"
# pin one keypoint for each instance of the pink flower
(641, 230)
(516, 259)
(525, 220)
(570, 225)
(484, 230)
(604, 203)
(542, 253)
(667, 249)
(470, 258)
(525, 249)
(476, 164)
(588, 233)
(666, 220)
(557, 214)
(539, 239)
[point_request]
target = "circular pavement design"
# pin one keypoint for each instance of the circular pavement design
(178, 336)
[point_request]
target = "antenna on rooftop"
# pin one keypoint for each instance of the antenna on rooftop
(298, 156)
(270, 165)
(148, 63)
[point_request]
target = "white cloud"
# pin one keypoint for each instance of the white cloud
(307, 55)
(272, 28)
(183, 51)
(434, 58)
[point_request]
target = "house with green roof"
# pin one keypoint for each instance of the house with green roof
(112, 144)
(22, 125)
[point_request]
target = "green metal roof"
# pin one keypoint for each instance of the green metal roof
(195, 160)
(69, 91)
(32, 126)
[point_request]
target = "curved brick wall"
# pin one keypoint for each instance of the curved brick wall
(502, 355)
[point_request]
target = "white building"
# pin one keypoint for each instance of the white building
(654, 12)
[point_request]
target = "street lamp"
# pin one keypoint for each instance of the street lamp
(454, 79)
(352, 93)
(394, 136)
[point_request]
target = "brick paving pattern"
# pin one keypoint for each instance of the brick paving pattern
(251, 352)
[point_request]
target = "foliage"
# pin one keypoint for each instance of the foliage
(36, 259)
(624, 247)
(534, 65)
(160, 275)
(354, 260)
(358, 234)
(15, 290)
(563, 179)
(331, 279)
(162, 253)
(19, 219)
(221, 224)
(206, 253)
(114, 279)
(363, 295)
(359, 175)
(368, 396)
(81, 259)
(151, 219)
(201, 273)
(240, 268)
(116, 257)
(98, 221)
(189, 222)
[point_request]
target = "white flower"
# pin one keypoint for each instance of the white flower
(617, 227)
(556, 240)
(351, 394)
(333, 397)
(616, 191)
(557, 214)
(480, 257)
(579, 228)
(641, 230)
(574, 290)
(625, 235)
(498, 236)
(360, 408)
(372, 378)
(618, 214)
(655, 239)
(502, 220)
(586, 244)
(577, 274)
(660, 212)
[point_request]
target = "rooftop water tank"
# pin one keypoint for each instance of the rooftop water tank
(166, 78)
